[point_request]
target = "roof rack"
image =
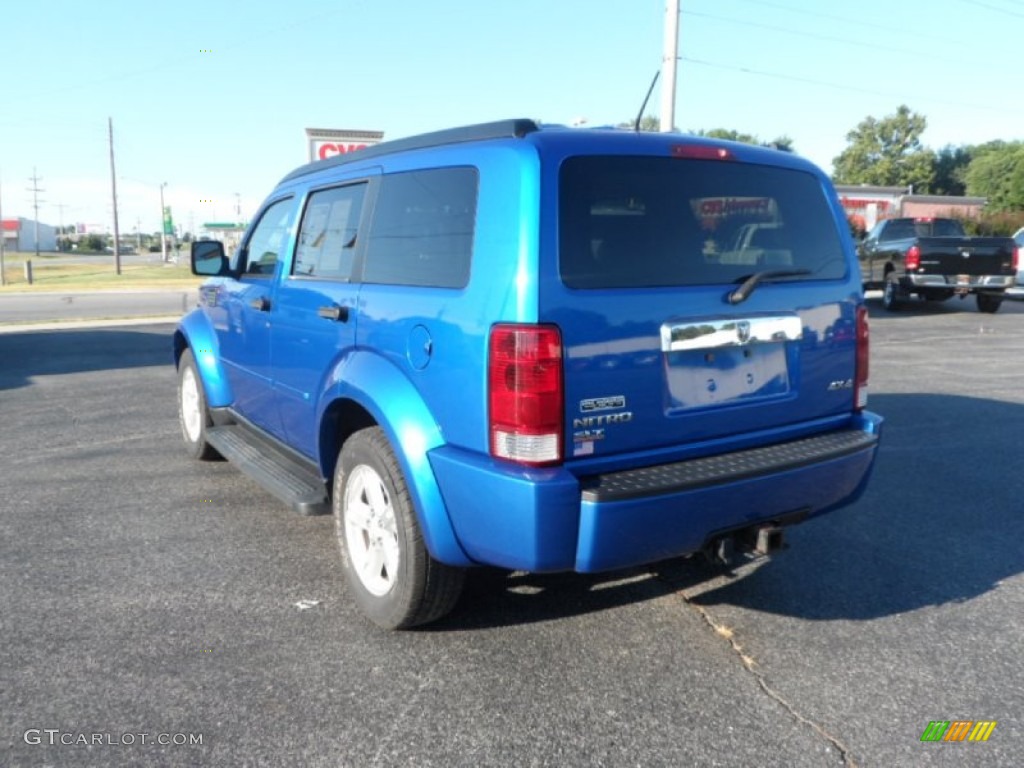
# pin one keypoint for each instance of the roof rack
(499, 129)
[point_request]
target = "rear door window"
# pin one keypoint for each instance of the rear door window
(327, 238)
(422, 230)
(652, 221)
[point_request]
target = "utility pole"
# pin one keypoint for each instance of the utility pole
(668, 66)
(163, 225)
(35, 190)
(113, 192)
(3, 238)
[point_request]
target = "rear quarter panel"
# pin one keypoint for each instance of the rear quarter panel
(437, 337)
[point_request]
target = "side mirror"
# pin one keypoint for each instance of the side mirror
(208, 259)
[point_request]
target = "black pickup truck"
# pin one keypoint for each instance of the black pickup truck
(933, 258)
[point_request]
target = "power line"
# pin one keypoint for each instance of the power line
(849, 20)
(170, 62)
(997, 108)
(993, 8)
(846, 41)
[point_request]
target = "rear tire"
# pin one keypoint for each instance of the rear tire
(392, 576)
(892, 294)
(989, 303)
(193, 415)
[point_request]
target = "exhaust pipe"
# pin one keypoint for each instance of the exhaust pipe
(758, 540)
(769, 539)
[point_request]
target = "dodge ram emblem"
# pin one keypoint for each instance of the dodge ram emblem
(743, 331)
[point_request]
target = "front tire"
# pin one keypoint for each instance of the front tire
(193, 415)
(392, 576)
(989, 303)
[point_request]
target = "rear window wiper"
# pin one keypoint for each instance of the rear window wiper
(750, 282)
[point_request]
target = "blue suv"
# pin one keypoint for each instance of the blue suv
(536, 348)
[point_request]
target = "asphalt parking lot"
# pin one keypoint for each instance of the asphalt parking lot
(154, 602)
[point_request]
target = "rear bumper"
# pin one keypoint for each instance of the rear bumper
(550, 520)
(961, 282)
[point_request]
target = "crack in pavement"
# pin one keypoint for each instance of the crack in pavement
(748, 662)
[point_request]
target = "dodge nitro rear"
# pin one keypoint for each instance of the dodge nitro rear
(537, 348)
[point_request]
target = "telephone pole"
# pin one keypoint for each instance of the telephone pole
(668, 67)
(35, 190)
(113, 192)
(163, 225)
(3, 238)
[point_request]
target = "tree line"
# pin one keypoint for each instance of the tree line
(888, 152)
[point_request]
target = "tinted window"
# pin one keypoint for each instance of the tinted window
(939, 228)
(268, 239)
(327, 237)
(422, 231)
(652, 221)
(899, 229)
(904, 229)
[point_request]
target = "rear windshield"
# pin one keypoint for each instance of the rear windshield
(653, 221)
(903, 229)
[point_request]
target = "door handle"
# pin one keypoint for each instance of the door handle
(334, 312)
(260, 304)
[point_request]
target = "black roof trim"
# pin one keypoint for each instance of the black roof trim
(500, 129)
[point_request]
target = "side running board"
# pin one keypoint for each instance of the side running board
(293, 481)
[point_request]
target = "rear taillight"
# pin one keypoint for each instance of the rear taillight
(1016, 258)
(525, 393)
(913, 258)
(860, 390)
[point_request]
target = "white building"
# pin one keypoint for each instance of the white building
(20, 235)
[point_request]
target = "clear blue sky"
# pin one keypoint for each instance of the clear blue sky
(232, 120)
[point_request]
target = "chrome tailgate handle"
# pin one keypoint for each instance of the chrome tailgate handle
(731, 332)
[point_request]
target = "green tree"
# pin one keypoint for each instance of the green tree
(92, 243)
(784, 143)
(996, 172)
(650, 123)
(887, 152)
(950, 169)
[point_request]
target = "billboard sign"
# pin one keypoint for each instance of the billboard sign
(324, 143)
